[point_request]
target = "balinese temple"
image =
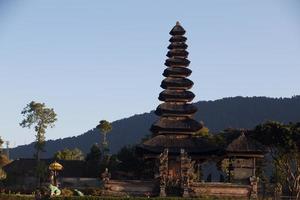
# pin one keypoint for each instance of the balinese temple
(174, 146)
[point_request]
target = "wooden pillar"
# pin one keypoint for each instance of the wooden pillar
(253, 183)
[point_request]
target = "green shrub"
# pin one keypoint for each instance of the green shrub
(15, 197)
(93, 191)
(66, 192)
(28, 197)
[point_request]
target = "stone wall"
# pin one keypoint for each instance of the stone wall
(131, 187)
(220, 190)
(79, 182)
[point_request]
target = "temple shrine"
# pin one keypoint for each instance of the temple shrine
(183, 162)
(176, 150)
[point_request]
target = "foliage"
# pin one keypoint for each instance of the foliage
(283, 143)
(128, 160)
(104, 127)
(203, 132)
(93, 191)
(132, 164)
(38, 115)
(41, 170)
(16, 197)
(93, 159)
(94, 154)
(69, 154)
(4, 160)
(2, 174)
(41, 117)
(1, 143)
(225, 165)
(27, 197)
(67, 192)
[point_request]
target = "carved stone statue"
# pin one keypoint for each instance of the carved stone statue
(163, 172)
(105, 176)
(187, 172)
(253, 183)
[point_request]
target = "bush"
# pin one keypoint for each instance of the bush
(92, 191)
(66, 192)
(24, 197)
(15, 197)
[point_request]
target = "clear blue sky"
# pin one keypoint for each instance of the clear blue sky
(93, 60)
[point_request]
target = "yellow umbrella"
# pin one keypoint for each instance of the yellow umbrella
(55, 166)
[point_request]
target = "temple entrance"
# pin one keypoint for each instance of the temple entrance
(175, 173)
(174, 169)
(174, 178)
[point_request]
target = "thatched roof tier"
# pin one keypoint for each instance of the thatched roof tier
(176, 114)
(176, 83)
(201, 146)
(178, 53)
(177, 30)
(177, 45)
(177, 62)
(175, 126)
(192, 145)
(177, 72)
(177, 38)
(171, 109)
(245, 145)
(176, 96)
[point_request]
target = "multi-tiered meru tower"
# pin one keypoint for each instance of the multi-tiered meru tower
(176, 112)
(175, 128)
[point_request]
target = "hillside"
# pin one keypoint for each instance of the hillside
(234, 112)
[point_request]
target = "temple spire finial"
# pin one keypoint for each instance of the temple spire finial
(177, 23)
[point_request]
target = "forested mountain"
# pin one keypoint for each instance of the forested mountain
(234, 112)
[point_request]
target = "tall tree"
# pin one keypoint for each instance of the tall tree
(93, 159)
(38, 115)
(105, 127)
(283, 142)
(69, 154)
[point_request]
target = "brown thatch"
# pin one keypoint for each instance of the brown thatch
(177, 52)
(177, 30)
(177, 72)
(244, 144)
(193, 145)
(180, 83)
(166, 125)
(175, 109)
(178, 38)
(177, 61)
(239, 145)
(173, 95)
(177, 45)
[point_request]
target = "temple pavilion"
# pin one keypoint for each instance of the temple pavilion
(173, 145)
